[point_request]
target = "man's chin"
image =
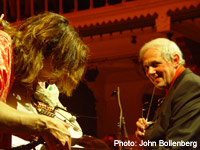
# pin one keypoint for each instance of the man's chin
(159, 86)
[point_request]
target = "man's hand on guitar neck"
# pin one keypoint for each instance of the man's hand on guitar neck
(56, 134)
(54, 131)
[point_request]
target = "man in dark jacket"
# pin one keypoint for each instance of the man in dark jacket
(176, 124)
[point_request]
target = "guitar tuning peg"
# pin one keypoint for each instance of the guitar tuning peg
(72, 119)
(75, 128)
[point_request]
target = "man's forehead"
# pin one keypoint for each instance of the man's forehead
(151, 53)
(152, 50)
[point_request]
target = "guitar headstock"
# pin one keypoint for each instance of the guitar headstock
(61, 114)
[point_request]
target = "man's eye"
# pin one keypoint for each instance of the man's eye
(155, 64)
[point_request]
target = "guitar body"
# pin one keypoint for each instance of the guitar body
(22, 99)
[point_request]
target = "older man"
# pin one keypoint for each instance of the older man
(176, 123)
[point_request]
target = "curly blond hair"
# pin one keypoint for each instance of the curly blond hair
(44, 36)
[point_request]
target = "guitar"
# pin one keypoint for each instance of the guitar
(45, 102)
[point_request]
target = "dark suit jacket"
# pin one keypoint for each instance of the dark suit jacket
(178, 117)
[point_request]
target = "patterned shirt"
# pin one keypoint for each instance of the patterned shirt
(6, 65)
(6, 77)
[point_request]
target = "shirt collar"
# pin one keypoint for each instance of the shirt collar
(178, 72)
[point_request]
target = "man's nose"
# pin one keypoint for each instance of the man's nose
(151, 70)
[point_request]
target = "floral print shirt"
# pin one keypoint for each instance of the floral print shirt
(6, 65)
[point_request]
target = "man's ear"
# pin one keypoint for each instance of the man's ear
(176, 60)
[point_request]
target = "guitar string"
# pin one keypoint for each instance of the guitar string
(66, 119)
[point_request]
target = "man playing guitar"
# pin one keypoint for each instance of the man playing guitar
(43, 101)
